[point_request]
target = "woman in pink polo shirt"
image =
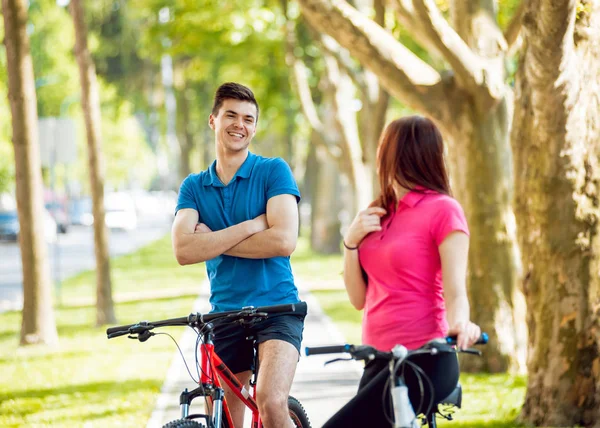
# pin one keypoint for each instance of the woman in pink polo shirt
(405, 263)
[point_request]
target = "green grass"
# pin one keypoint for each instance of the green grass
(488, 400)
(315, 267)
(92, 382)
(88, 380)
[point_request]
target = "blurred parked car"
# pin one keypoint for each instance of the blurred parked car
(9, 221)
(9, 225)
(57, 206)
(80, 212)
(120, 211)
(59, 214)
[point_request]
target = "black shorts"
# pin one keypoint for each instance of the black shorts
(237, 352)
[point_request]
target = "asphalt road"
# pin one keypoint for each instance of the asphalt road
(73, 253)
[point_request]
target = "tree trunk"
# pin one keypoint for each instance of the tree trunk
(186, 138)
(38, 324)
(481, 160)
(556, 143)
(349, 137)
(325, 203)
(471, 104)
(90, 102)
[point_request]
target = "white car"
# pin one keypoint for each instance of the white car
(50, 227)
(120, 211)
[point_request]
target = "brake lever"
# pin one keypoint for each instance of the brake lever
(140, 328)
(472, 351)
(336, 360)
(142, 336)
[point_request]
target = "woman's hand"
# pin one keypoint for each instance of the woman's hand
(467, 333)
(365, 222)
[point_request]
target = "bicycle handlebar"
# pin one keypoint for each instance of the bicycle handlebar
(199, 319)
(334, 349)
(365, 352)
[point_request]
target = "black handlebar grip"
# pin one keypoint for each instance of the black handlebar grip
(334, 349)
(273, 309)
(111, 330)
(483, 339)
(290, 307)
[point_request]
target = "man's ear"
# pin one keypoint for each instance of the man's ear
(211, 122)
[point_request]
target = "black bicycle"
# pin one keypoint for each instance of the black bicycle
(402, 414)
(209, 365)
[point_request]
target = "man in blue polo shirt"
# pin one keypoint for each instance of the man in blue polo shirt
(240, 217)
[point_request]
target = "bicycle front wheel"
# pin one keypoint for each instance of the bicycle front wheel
(297, 413)
(184, 423)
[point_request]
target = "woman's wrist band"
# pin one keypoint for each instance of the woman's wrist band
(347, 247)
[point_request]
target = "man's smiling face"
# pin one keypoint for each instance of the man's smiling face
(234, 124)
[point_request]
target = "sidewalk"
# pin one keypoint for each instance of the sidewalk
(322, 390)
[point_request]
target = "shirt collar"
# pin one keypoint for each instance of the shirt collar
(212, 179)
(415, 196)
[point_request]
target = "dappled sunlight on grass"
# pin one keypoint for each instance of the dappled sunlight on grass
(490, 400)
(151, 269)
(87, 377)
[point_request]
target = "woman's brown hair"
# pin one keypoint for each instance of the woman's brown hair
(410, 153)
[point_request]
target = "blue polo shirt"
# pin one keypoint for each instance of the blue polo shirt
(235, 281)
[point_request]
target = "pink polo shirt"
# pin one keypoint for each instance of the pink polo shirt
(405, 302)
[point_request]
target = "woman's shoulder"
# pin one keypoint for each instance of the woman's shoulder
(440, 201)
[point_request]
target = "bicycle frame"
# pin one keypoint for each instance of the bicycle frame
(213, 369)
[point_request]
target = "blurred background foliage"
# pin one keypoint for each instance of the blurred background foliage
(237, 40)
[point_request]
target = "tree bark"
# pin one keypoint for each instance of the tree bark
(556, 143)
(351, 139)
(325, 233)
(90, 102)
(472, 106)
(38, 324)
(186, 137)
(482, 158)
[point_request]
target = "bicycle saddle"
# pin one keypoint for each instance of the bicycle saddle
(455, 397)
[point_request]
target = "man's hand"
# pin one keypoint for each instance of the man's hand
(202, 228)
(259, 224)
(275, 233)
(195, 242)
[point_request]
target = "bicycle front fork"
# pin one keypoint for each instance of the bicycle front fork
(217, 395)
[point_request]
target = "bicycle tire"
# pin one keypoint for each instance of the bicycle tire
(297, 413)
(184, 423)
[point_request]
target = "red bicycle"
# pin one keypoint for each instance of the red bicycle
(209, 365)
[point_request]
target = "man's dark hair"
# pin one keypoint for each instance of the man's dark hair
(233, 91)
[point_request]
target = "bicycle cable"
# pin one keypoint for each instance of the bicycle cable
(199, 367)
(419, 372)
(386, 389)
(419, 379)
(180, 353)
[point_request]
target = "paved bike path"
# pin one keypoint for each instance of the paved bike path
(322, 390)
